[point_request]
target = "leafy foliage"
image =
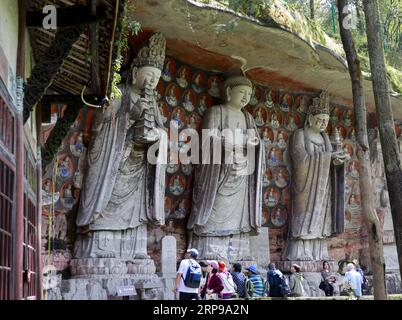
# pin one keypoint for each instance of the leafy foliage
(317, 19)
(126, 29)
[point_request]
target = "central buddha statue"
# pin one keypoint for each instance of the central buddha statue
(226, 207)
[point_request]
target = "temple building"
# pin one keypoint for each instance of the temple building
(80, 206)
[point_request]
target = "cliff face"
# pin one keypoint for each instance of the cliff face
(278, 45)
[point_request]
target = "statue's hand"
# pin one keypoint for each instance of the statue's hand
(338, 161)
(341, 155)
(140, 106)
(252, 138)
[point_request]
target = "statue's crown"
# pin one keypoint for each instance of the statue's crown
(152, 55)
(320, 104)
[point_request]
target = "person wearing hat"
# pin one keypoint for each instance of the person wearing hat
(188, 277)
(296, 282)
(229, 287)
(257, 282)
(214, 284)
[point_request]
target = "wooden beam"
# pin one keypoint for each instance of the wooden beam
(68, 17)
(48, 66)
(69, 99)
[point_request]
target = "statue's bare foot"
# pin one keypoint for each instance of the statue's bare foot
(141, 256)
(105, 255)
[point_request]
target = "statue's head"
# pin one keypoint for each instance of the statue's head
(318, 113)
(148, 65)
(238, 90)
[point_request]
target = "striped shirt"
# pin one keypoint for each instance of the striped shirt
(258, 285)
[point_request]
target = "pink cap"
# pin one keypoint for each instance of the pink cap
(213, 264)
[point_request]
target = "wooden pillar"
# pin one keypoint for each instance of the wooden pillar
(93, 35)
(39, 202)
(19, 180)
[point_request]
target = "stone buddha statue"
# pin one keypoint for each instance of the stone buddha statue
(317, 187)
(123, 191)
(226, 207)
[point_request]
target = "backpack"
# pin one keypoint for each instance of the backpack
(249, 288)
(228, 284)
(193, 276)
(282, 284)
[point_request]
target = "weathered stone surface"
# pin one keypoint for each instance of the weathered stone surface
(259, 246)
(106, 266)
(226, 205)
(391, 258)
(104, 287)
(98, 266)
(318, 192)
(83, 289)
(141, 266)
(292, 61)
(168, 266)
(115, 203)
(392, 280)
(168, 260)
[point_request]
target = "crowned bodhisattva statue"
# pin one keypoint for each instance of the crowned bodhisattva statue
(122, 190)
(226, 207)
(317, 187)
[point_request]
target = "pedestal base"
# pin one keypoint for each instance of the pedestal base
(105, 287)
(101, 278)
(101, 266)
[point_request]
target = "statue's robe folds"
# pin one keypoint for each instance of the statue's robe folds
(121, 191)
(317, 198)
(226, 205)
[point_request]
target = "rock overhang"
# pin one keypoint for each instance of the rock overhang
(215, 38)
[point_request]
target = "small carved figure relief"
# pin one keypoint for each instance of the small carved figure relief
(182, 78)
(188, 99)
(213, 87)
(268, 100)
(171, 97)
